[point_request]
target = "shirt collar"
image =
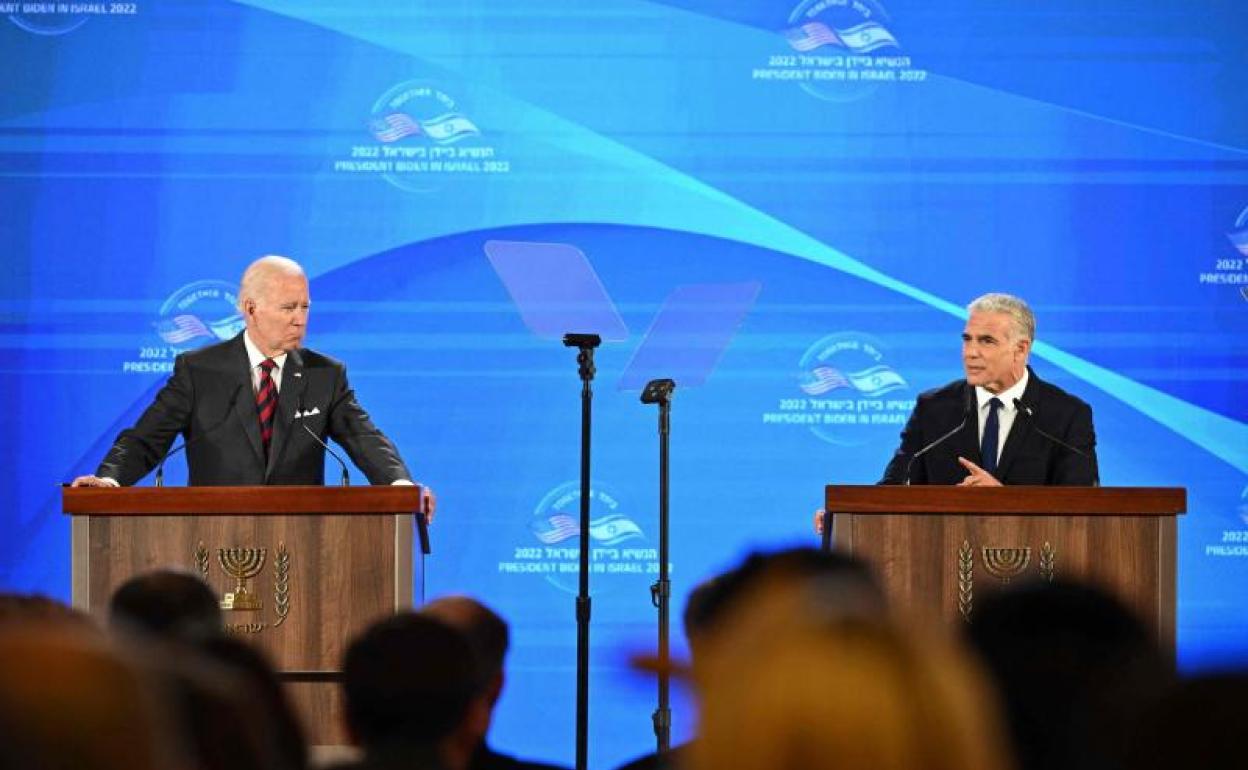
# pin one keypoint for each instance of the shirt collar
(255, 357)
(1007, 396)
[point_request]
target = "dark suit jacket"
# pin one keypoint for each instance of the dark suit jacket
(210, 401)
(1028, 457)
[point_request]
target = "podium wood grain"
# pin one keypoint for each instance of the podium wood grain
(347, 569)
(1123, 539)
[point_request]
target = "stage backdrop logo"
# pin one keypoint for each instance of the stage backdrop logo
(839, 50)
(420, 137)
(1231, 267)
(40, 18)
(198, 314)
(1233, 542)
(847, 392)
(620, 553)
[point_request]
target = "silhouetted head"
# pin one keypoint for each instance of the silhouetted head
(168, 604)
(282, 731)
(834, 580)
(485, 630)
(790, 684)
(23, 609)
(410, 680)
(1075, 668)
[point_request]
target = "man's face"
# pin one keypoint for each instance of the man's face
(991, 354)
(278, 318)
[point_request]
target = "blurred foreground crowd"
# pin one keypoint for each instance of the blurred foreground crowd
(797, 662)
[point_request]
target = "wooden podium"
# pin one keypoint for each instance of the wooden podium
(300, 570)
(936, 548)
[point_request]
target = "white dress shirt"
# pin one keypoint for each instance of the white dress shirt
(255, 357)
(1005, 413)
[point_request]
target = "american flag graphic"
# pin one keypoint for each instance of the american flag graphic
(810, 36)
(181, 328)
(823, 379)
(556, 528)
(395, 126)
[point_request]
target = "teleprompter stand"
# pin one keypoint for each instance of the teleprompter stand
(660, 392)
(585, 343)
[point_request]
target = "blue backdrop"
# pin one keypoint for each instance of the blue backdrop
(866, 166)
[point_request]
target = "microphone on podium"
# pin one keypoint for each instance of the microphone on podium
(1031, 415)
(966, 415)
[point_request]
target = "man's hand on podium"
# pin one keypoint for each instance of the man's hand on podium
(93, 481)
(428, 500)
(819, 519)
(978, 477)
(429, 504)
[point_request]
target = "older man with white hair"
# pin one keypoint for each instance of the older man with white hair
(243, 404)
(1002, 424)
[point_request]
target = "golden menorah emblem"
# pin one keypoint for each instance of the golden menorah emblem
(242, 564)
(1006, 563)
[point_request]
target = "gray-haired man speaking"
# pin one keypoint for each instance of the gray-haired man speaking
(1002, 424)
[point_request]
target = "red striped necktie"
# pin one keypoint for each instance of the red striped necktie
(266, 402)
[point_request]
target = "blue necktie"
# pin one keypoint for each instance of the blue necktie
(992, 426)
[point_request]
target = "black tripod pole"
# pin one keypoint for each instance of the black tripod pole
(660, 392)
(585, 368)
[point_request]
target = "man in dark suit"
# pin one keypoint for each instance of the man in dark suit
(245, 406)
(1002, 424)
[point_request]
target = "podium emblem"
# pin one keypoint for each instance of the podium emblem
(1004, 564)
(242, 566)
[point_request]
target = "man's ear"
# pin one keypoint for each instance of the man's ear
(494, 689)
(478, 717)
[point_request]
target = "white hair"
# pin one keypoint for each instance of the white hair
(1024, 321)
(256, 277)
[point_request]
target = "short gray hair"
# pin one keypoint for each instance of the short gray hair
(1018, 311)
(256, 277)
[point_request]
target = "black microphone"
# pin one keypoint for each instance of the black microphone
(658, 391)
(346, 478)
(582, 341)
(1031, 415)
(160, 468)
(966, 415)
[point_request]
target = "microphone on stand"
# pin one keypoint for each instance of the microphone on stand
(346, 478)
(966, 415)
(1031, 415)
(160, 467)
